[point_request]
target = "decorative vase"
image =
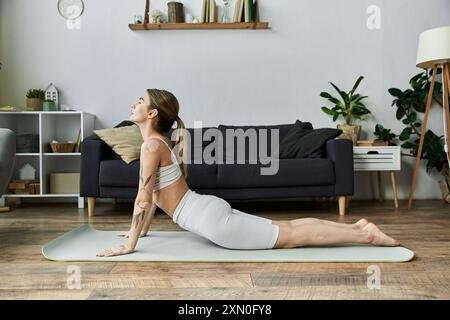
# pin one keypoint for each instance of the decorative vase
(350, 132)
(49, 106)
(34, 104)
(175, 11)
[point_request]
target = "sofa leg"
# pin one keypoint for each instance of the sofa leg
(91, 205)
(342, 205)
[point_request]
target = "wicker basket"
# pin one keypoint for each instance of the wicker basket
(62, 147)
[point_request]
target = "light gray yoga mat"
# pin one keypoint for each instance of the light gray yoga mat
(82, 244)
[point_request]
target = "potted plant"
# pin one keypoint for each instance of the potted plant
(409, 103)
(350, 107)
(35, 98)
(157, 16)
(384, 135)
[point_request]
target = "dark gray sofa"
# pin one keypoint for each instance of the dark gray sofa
(105, 175)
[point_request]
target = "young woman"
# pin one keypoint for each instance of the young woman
(162, 184)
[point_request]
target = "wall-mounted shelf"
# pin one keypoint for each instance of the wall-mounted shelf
(199, 26)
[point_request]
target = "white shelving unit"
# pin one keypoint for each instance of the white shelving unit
(49, 125)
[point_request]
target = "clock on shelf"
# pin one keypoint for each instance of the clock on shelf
(70, 9)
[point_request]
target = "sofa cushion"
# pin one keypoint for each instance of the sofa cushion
(116, 173)
(111, 154)
(202, 176)
(125, 141)
(291, 172)
(306, 142)
(251, 133)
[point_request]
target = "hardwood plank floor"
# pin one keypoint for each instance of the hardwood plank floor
(26, 274)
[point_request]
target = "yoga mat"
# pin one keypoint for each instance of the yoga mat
(82, 244)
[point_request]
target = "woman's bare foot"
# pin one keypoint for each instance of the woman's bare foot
(360, 224)
(378, 238)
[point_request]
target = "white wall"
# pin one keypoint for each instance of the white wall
(222, 76)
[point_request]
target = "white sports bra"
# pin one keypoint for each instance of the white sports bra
(166, 175)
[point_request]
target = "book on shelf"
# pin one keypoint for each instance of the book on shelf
(256, 11)
(78, 145)
(241, 11)
(8, 108)
(251, 13)
(246, 11)
(371, 143)
(204, 9)
(212, 11)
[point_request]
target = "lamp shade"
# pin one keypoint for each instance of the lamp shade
(434, 47)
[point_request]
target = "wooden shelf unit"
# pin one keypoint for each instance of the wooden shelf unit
(199, 26)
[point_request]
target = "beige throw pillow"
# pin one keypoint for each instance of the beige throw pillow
(125, 141)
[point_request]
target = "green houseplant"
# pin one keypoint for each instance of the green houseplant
(35, 98)
(385, 135)
(350, 106)
(409, 104)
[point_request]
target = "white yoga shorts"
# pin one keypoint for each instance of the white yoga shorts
(213, 218)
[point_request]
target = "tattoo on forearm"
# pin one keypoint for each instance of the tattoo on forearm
(144, 184)
(137, 218)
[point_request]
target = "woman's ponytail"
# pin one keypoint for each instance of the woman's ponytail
(181, 143)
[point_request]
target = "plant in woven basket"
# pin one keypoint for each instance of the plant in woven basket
(35, 98)
(36, 94)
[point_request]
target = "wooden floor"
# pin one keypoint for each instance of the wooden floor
(26, 274)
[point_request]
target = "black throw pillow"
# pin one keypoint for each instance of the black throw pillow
(306, 142)
(288, 145)
(313, 144)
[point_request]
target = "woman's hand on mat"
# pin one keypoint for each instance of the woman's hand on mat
(126, 234)
(115, 251)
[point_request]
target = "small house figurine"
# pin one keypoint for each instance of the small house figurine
(51, 93)
(27, 172)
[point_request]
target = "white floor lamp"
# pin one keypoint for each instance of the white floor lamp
(434, 52)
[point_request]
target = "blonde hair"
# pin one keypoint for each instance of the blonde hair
(168, 108)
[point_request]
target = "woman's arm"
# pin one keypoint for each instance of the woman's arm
(142, 213)
(147, 223)
(149, 219)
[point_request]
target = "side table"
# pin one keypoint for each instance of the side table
(379, 159)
